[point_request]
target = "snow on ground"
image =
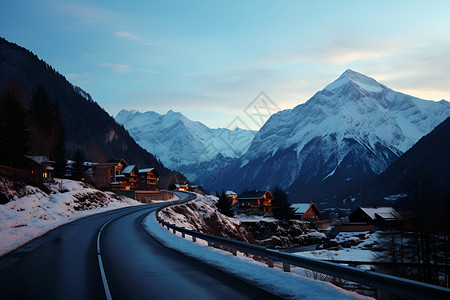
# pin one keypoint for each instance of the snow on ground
(361, 250)
(25, 218)
(288, 285)
(253, 218)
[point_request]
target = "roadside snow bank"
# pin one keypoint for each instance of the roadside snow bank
(287, 285)
(202, 215)
(25, 218)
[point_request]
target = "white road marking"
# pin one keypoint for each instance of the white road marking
(100, 262)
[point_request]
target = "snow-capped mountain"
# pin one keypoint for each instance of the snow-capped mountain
(178, 141)
(351, 130)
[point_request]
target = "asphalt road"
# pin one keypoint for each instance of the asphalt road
(63, 264)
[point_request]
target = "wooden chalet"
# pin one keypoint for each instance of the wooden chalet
(306, 211)
(197, 189)
(130, 176)
(181, 187)
(41, 167)
(148, 179)
(232, 196)
(255, 201)
(373, 214)
(380, 217)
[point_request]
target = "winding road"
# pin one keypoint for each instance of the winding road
(64, 264)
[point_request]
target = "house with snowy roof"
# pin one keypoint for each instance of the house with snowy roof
(232, 196)
(381, 217)
(41, 166)
(255, 202)
(197, 189)
(306, 211)
(148, 179)
(180, 187)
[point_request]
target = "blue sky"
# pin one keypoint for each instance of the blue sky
(210, 59)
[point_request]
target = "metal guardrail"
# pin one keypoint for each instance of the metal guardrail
(396, 285)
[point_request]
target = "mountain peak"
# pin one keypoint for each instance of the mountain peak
(362, 81)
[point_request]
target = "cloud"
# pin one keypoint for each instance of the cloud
(118, 68)
(148, 71)
(126, 35)
(340, 52)
(121, 69)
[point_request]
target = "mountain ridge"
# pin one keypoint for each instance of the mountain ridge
(179, 141)
(87, 126)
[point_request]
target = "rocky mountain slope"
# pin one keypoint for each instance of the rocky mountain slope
(419, 180)
(347, 133)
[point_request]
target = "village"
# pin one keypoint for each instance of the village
(142, 184)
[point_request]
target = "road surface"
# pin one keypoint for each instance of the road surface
(63, 264)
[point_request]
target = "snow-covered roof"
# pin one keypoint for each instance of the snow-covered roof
(252, 194)
(181, 185)
(120, 176)
(387, 216)
(128, 169)
(144, 170)
(384, 212)
(39, 159)
(228, 193)
(301, 208)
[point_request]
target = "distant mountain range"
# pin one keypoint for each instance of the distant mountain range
(178, 141)
(341, 138)
(87, 126)
(188, 146)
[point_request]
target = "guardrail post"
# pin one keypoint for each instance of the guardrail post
(286, 267)
(194, 239)
(234, 251)
(182, 235)
(270, 263)
(174, 231)
(210, 244)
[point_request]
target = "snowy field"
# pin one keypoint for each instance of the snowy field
(363, 251)
(253, 218)
(23, 219)
(290, 285)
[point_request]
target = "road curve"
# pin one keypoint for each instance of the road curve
(62, 264)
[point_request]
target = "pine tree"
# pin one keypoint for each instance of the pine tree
(281, 207)
(58, 153)
(13, 132)
(78, 168)
(224, 205)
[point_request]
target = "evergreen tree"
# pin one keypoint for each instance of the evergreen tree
(281, 207)
(224, 205)
(78, 168)
(13, 132)
(47, 130)
(58, 153)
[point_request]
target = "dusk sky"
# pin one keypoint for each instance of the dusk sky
(210, 59)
